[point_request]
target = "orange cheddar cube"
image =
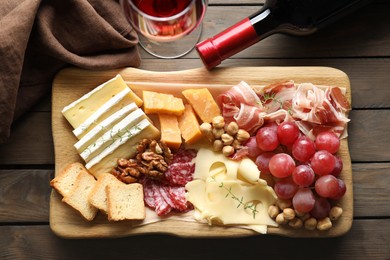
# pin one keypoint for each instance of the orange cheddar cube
(170, 131)
(159, 103)
(189, 126)
(203, 103)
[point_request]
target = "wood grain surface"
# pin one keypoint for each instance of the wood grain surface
(358, 44)
(66, 222)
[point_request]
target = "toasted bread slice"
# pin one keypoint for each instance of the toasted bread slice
(125, 201)
(98, 197)
(78, 196)
(65, 181)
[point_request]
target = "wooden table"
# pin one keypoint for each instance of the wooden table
(358, 44)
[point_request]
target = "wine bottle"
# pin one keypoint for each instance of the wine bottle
(295, 17)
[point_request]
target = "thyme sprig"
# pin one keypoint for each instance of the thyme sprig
(122, 133)
(250, 206)
(271, 96)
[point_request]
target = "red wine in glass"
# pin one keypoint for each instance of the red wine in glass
(166, 28)
(161, 8)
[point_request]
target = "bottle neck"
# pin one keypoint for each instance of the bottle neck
(236, 38)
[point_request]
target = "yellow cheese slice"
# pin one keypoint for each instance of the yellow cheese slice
(233, 202)
(230, 192)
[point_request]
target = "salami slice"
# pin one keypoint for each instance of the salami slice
(149, 195)
(180, 173)
(164, 191)
(162, 207)
(177, 195)
(184, 155)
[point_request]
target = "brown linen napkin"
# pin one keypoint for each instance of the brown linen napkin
(40, 37)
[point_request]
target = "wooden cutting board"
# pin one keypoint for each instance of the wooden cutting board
(72, 83)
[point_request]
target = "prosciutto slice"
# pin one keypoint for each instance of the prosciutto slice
(318, 110)
(277, 96)
(315, 105)
(242, 105)
(240, 93)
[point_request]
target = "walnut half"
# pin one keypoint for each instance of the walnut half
(152, 159)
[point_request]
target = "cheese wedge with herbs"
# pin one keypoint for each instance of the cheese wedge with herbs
(124, 147)
(115, 104)
(103, 127)
(118, 131)
(78, 111)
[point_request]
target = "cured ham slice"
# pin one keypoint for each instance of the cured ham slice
(249, 118)
(320, 110)
(241, 93)
(242, 105)
(277, 96)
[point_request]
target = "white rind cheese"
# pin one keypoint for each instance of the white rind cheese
(103, 127)
(118, 131)
(78, 111)
(113, 105)
(122, 148)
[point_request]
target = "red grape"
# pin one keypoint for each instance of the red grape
(267, 139)
(303, 175)
(321, 208)
(303, 149)
(262, 162)
(281, 165)
(323, 162)
(327, 186)
(285, 189)
(327, 141)
(338, 167)
(253, 149)
(303, 200)
(272, 125)
(287, 132)
(341, 191)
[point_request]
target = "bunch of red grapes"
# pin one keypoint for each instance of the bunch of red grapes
(305, 171)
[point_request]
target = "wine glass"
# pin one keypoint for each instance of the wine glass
(166, 28)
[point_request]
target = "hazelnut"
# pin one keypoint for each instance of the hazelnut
(218, 122)
(242, 135)
(282, 204)
(207, 131)
(232, 128)
(218, 132)
(324, 224)
(280, 219)
(289, 213)
(335, 213)
(227, 150)
(217, 145)
(236, 144)
(227, 139)
(310, 223)
(273, 211)
(295, 223)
